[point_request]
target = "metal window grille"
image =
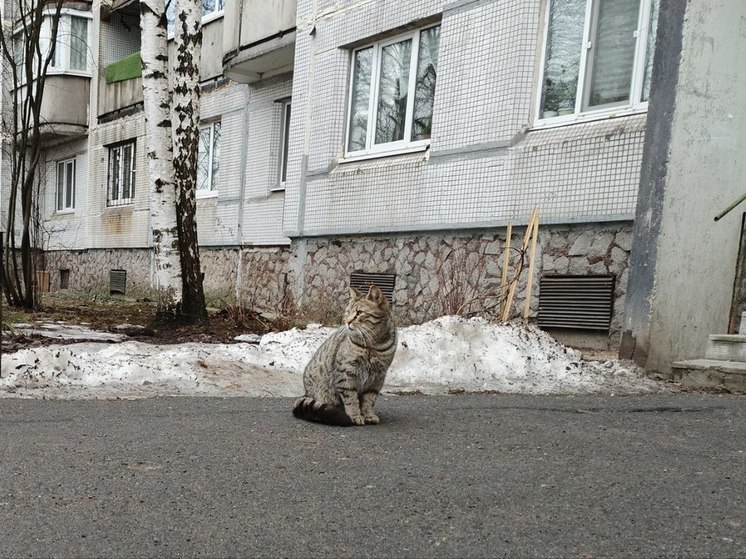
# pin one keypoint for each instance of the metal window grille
(117, 281)
(582, 302)
(385, 282)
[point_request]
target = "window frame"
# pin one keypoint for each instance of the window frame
(68, 204)
(213, 190)
(282, 161)
(62, 48)
(405, 145)
(120, 200)
(635, 104)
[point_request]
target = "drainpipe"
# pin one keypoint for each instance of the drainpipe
(242, 193)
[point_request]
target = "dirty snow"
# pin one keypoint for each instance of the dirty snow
(446, 355)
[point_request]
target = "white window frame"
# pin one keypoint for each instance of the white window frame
(635, 105)
(213, 189)
(391, 148)
(68, 204)
(120, 200)
(63, 50)
(282, 162)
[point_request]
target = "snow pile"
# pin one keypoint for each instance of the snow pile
(447, 355)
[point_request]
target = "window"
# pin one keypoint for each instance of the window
(71, 51)
(391, 93)
(65, 191)
(121, 174)
(282, 172)
(208, 158)
(211, 9)
(598, 57)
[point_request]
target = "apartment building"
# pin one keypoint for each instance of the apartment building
(378, 137)
(378, 140)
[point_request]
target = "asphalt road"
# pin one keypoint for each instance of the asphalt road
(456, 476)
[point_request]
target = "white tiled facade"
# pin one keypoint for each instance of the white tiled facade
(486, 165)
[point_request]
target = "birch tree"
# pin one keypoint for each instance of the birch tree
(157, 105)
(185, 126)
(28, 37)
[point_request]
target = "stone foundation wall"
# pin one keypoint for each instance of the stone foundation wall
(266, 279)
(439, 273)
(436, 273)
(89, 269)
(220, 266)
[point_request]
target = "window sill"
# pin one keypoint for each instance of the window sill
(568, 120)
(206, 195)
(381, 154)
(278, 188)
(65, 72)
(64, 212)
(121, 207)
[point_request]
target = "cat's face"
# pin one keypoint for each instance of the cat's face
(367, 313)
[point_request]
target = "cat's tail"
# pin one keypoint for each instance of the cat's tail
(312, 410)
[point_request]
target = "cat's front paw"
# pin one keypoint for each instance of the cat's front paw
(358, 420)
(372, 419)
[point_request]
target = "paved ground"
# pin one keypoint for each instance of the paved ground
(453, 476)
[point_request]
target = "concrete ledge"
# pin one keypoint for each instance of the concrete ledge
(711, 374)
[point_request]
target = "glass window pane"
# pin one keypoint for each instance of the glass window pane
(70, 186)
(78, 43)
(60, 184)
(424, 92)
(115, 160)
(208, 6)
(360, 99)
(393, 88)
(203, 159)
(19, 55)
(285, 144)
(562, 62)
(613, 52)
(127, 168)
(650, 49)
(215, 155)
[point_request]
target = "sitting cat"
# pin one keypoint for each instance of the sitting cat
(343, 378)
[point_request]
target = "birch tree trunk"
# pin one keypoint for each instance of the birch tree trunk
(185, 120)
(157, 104)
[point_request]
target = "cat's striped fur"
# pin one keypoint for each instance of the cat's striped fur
(343, 378)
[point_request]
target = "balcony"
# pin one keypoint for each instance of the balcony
(64, 107)
(120, 87)
(258, 39)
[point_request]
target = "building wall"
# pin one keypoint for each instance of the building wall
(486, 165)
(311, 277)
(66, 229)
(430, 265)
(263, 201)
(683, 261)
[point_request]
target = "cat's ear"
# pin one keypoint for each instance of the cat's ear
(374, 294)
(354, 294)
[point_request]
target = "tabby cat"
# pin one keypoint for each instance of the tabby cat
(343, 378)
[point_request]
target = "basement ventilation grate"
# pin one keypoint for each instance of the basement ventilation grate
(582, 302)
(385, 282)
(117, 281)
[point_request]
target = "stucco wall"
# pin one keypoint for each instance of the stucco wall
(697, 256)
(683, 262)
